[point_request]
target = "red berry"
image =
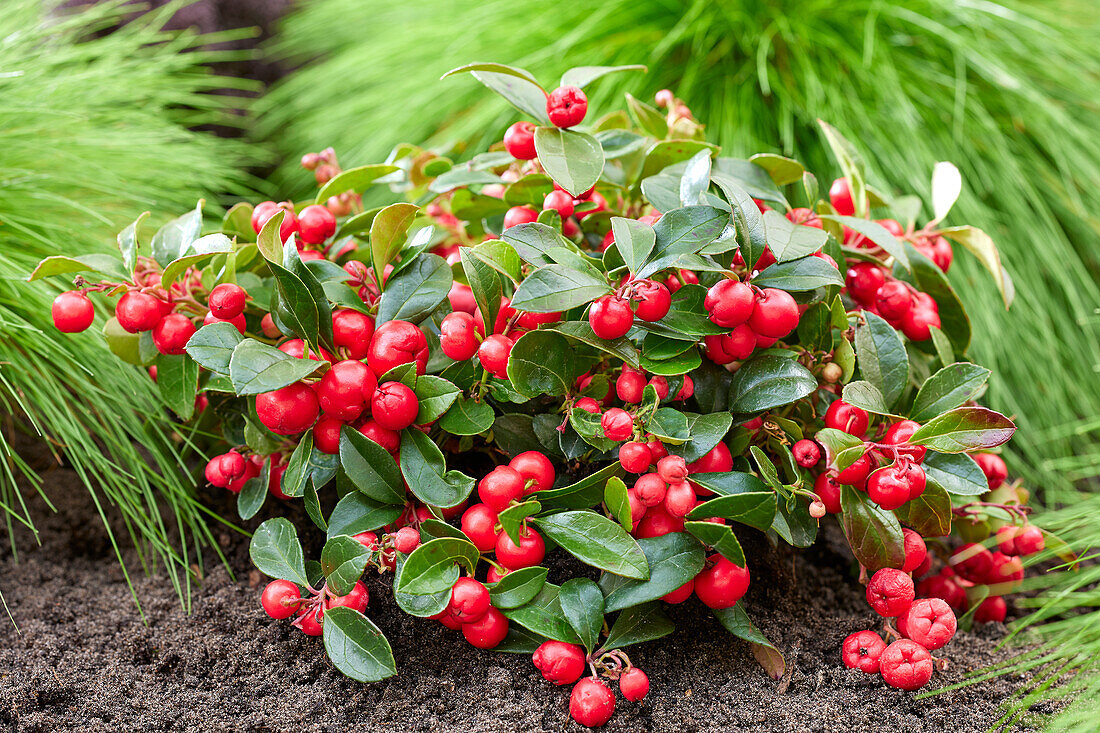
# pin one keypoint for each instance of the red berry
(906, 665)
(653, 300)
(722, 584)
(488, 631)
(994, 468)
(281, 599)
(857, 472)
(72, 312)
(406, 540)
(459, 336)
(519, 141)
(730, 303)
(461, 298)
(827, 489)
(634, 457)
(941, 586)
(899, 433)
(469, 601)
(264, 211)
(494, 353)
(617, 424)
(915, 550)
(345, 389)
(775, 314)
(388, 439)
(862, 650)
(893, 485)
(657, 451)
(356, 599)
(396, 343)
(394, 406)
(137, 311)
(316, 224)
(519, 215)
(681, 594)
(672, 469)
(537, 470)
(806, 453)
(972, 561)
(840, 196)
(238, 321)
(559, 662)
(1006, 539)
(660, 385)
(610, 317)
(687, 389)
(929, 621)
(500, 487)
(657, 523)
(847, 418)
(591, 703)
(368, 540)
(566, 106)
(893, 300)
(479, 524)
(863, 281)
(530, 550)
(352, 331)
(172, 333)
(1029, 540)
(634, 684)
(992, 609)
(917, 323)
(288, 411)
(559, 201)
(227, 301)
(310, 622)
(680, 499)
(650, 489)
(717, 460)
(326, 435)
(1004, 570)
(588, 405)
(890, 592)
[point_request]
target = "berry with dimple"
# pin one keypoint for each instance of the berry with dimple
(634, 457)
(172, 333)
(536, 469)
(345, 390)
(530, 551)
(281, 599)
(898, 434)
(494, 353)
(915, 550)
(227, 301)
(137, 311)
(290, 410)
(406, 540)
(617, 424)
(394, 406)
(806, 453)
(929, 621)
(847, 418)
(610, 317)
(862, 650)
(906, 665)
(488, 631)
(840, 196)
(941, 586)
(469, 600)
(316, 224)
(991, 610)
(634, 684)
(519, 141)
(459, 336)
(994, 468)
(356, 599)
(775, 314)
(72, 312)
(721, 584)
(672, 469)
(650, 489)
(559, 662)
(890, 592)
(566, 106)
(352, 331)
(500, 487)
(479, 524)
(395, 343)
(652, 300)
(591, 703)
(680, 499)
(827, 489)
(729, 303)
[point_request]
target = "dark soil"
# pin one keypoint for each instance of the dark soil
(83, 659)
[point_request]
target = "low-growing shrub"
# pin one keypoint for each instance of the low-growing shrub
(616, 344)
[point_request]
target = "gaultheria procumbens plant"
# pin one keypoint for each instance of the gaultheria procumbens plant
(600, 338)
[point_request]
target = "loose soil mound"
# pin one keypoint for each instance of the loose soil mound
(83, 659)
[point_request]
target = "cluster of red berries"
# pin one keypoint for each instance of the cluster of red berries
(462, 332)
(592, 703)
(612, 316)
(902, 306)
(758, 317)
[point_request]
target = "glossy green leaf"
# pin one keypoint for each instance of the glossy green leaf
(356, 646)
(781, 170)
(582, 76)
(597, 541)
(63, 265)
(873, 533)
(638, 624)
(720, 537)
(964, 429)
(807, 273)
(573, 159)
(582, 604)
(356, 512)
(544, 616)
(343, 560)
(981, 246)
(558, 288)
(790, 241)
(511, 518)
(634, 240)
(682, 232)
(467, 417)
(542, 363)
(416, 291)
(433, 566)
(738, 623)
(178, 383)
(929, 514)
(948, 388)
(276, 551)
(354, 179)
(518, 587)
(172, 239)
(883, 360)
(426, 473)
(756, 509)
(255, 367)
(129, 243)
(253, 494)
(767, 381)
(877, 233)
(866, 396)
(370, 468)
(673, 559)
(212, 346)
(388, 231)
(957, 473)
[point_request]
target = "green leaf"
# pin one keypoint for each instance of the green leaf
(850, 163)
(433, 566)
(673, 559)
(172, 239)
(873, 533)
(682, 232)
(542, 363)
(682, 363)
(665, 153)
(467, 417)
(543, 615)
(705, 431)
(128, 243)
(621, 348)
(512, 517)
(237, 222)
(695, 180)
(436, 395)
(297, 306)
(178, 383)
(843, 448)
(948, 388)
(866, 396)
(520, 91)
(807, 273)
(388, 231)
(276, 551)
(634, 240)
(573, 159)
(883, 360)
(957, 473)
(582, 603)
(597, 541)
(520, 641)
(421, 606)
(964, 429)
(584, 493)
(356, 512)
(63, 265)
(790, 241)
(297, 467)
(782, 171)
(738, 623)
(532, 241)
(414, 293)
(638, 624)
(518, 587)
(767, 381)
(720, 537)
(877, 233)
(618, 502)
(751, 237)
(929, 514)
(647, 117)
(343, 560)
(355, 179)
(729, 483)
(942, 344)
(558, 288)
(370, 468)
(981, 246)
(582, 76)
(212, 346)
(356, 646)
(795, 525)
(424, 469)
(662, 191)
(256, 367)
(485, 283)
(756, 509)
